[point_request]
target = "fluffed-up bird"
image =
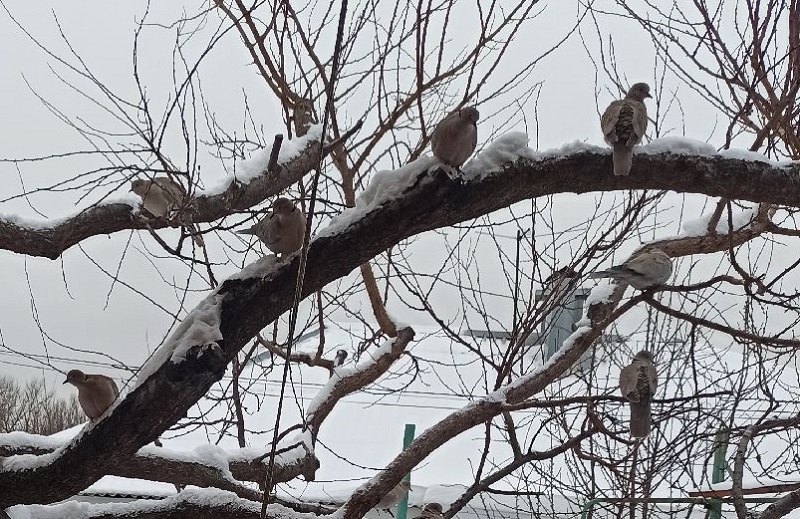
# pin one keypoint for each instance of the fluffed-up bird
(646, 270)
(455, 137)
(164, 198)
(96, 393)
(394, 496)
(430, 511)
(638, 382)
(341, 356)
(283, 230)
(624, 123)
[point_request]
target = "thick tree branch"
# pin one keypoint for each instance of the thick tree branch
(577, 173)
(248, 305)
(51, 242)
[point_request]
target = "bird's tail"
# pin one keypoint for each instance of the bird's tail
(608, 273)
(623, 157)
(246, 231)
(640, 419)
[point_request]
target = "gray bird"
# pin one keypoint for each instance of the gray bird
(341, 356)
(638, 382)
(164, 198)
(646, 270)
(96, 393)
(431, 511)
(624, 123)
(455, 137)
(283, 230)
(394, 496)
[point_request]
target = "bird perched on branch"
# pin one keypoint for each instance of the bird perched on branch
(164, 198)
(624, 123)
(96, 393)
(431, 511)
(638, 382)
(394, 495)
(646, 270)
(341, 356)
(283, 230)
(455, 137)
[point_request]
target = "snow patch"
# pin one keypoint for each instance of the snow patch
(677, 146)
(385, 185)
(699, 226)
(199, 328)
(599, 295)
(73, 510)
(259, 268)
(752, 156)
(504, 150)
(246, 170)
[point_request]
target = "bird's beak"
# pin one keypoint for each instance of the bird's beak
(65, 381)
(648, 95)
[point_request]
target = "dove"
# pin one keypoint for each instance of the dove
(647, 270)
(96, 393)
(637, 382)
(454, 138)
(162, 197)
(431, 511)
(283, 230)
(624, 123)
(394, 496)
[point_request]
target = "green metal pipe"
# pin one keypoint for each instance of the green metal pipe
(408, 437)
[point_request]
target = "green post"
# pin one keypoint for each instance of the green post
(718, 472)
(408, 437)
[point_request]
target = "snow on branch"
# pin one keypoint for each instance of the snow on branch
(197, 503)
(250, 187)
(431, 201)
(346, 380)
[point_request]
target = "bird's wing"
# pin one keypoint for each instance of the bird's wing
(441, 129)
(638, 263)
(639, 119)
(652, 377)
(610, 117)
(172, 189)
(628, 377)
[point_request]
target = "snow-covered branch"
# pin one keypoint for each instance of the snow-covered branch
(395, 206)
(206, 466)
(347, 380)
(190, 503)
(51, 238)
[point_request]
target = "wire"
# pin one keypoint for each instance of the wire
(301, 271)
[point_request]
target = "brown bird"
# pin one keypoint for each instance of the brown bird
(638, 382)
(624, 123)
(96, 393)
(394, 496)
(455, 137)
(283, 230)
(163, 197)
(431, 511)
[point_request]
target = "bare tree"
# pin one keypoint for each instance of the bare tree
(360, 89)
(35, 409)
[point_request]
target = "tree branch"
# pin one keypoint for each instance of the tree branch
(248, 305)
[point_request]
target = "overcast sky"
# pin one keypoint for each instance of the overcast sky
(82, 308)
